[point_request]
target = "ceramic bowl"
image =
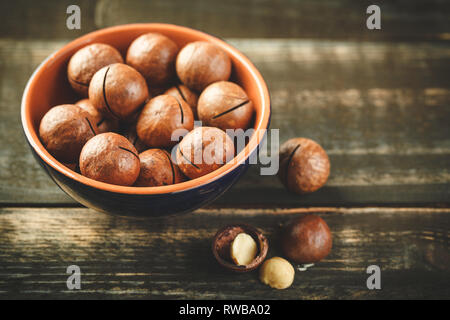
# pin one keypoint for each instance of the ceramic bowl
(48, 86)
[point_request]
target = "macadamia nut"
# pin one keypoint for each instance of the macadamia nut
(64, 130)
(118, 91)
(277, 273)
(157, 169)
(160, 118)
(306, 239)
(225, 105)
(204, 150)
(87, 61)
(103, 124)
(111, 158)
(304, 165)
(153, 55)
(181, 92)
(201, 63)
(243, 249)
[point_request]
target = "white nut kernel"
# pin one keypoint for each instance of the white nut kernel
(277, 273)
(243, 249)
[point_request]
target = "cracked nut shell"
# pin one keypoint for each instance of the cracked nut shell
(153, 55)
(64, 130)
(223, 239)
(181, 92)
(204, 150)
(201, 63)
(87, 61)
(103, 124)
(157, 169)
(160, 117)
(117, 91)
(111, 158)
(306, 239)
(225, 105)
(304, 165)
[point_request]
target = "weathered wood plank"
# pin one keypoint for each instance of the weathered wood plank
(381, 111)
(171, 258)
(325, 19)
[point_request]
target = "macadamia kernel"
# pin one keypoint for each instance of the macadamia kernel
(243, 249)
(277, 273)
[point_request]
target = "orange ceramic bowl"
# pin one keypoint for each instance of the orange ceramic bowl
(48, 86)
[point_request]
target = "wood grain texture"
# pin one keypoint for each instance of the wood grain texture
(171, 258)
(380, 110)
(324, 19)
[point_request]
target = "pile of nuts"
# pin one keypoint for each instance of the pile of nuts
(304, 168)
(304, 241)
(121, 130)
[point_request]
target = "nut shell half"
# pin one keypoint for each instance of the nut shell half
(223, 240)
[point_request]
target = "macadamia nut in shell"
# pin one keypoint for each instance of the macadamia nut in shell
(153, 55)
(204, 150)
(87, 61)
(103, 123)
(306, 239)
(118, 91)
(201, 63)
(160, 118)
(225, 105)
(64, 130)
(157, 169)
(304, 165)
(111, 158)
(181, 92)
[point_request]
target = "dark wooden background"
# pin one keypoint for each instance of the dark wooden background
(378, 102)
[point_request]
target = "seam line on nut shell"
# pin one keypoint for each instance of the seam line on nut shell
(104, 94)
(79, 82)
(231, 109)
(134, 154)
(289, 162)
(90, 126)
(181, 110)
(180, 93)
(188, 159)
(171, 166)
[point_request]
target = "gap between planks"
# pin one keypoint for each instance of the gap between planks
(262, 211)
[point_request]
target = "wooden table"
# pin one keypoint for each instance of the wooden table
(378, 102)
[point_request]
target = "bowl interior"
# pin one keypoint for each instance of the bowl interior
(49, 87)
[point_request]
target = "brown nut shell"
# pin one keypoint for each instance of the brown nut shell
(111, 158)
(87, 61)
(64, 130)
(224, 238)
(201, 63)
(181, 92)
(131, 135)
(304, 165)
(118, 91)
(306, 239)
(103, 123)
(160, 118)
(153, 55)
(204, 150)
(157, 169)
(225, 105)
